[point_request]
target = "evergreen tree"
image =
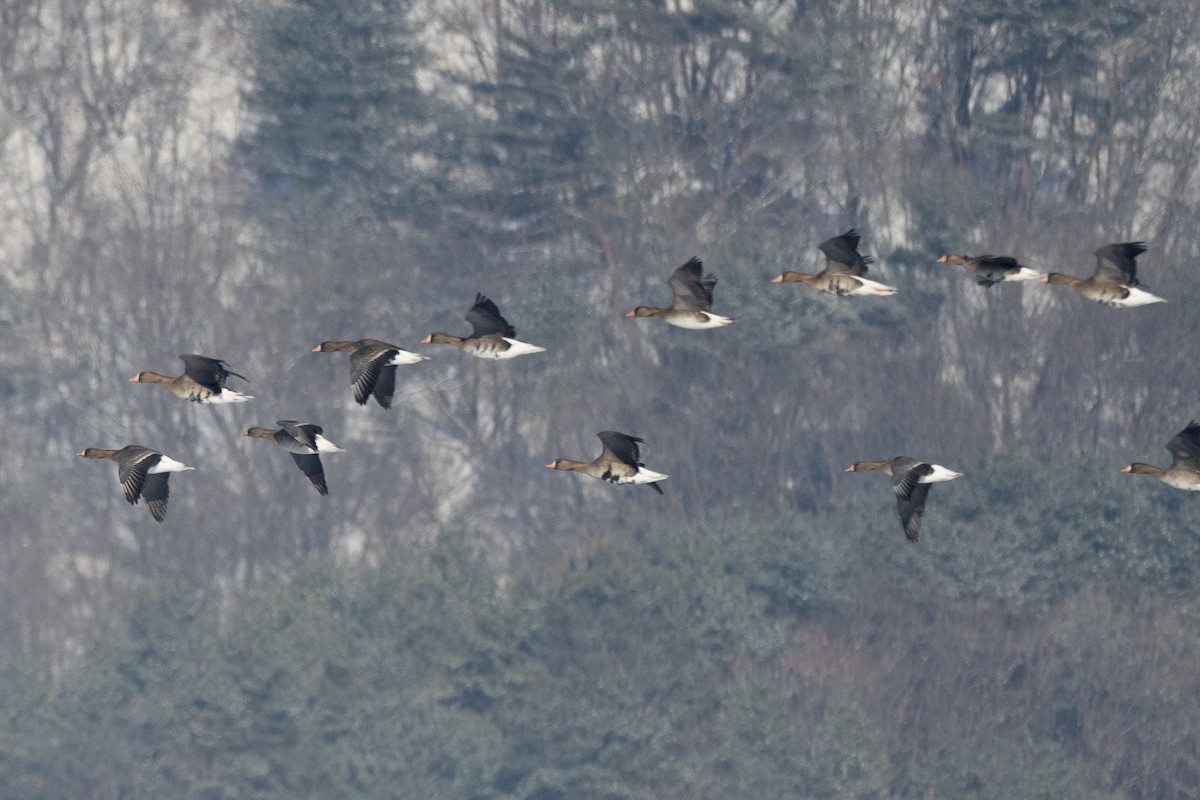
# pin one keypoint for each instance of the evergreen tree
(538, 146)
(341, 121)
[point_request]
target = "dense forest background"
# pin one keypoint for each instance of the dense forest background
(245, 179)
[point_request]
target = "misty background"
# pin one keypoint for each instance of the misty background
(245, 180)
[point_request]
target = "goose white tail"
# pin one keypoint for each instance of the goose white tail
(691, 323)
(226, 396)
(1138, 297)
(873, 288)
(326, 446)
(405, 357)
(166, 464)
(516, 348)
(1024, 274)
(939, 474)
(644, 475)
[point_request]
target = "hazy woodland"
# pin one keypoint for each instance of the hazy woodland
(246, 179)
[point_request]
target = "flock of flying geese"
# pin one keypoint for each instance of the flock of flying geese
(143, 472)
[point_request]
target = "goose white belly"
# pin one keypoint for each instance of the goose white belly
(1188, 482)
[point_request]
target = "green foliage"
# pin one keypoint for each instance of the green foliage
(629, 640)
(789, 738)
(1028, 768)
(796, 655)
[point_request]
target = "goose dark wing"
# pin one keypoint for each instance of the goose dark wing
(156, 493)
(693, 290)
(912, 508)
(366, 368)
(621, 447)
(310, 465)
(996, 264)
(303, 433)
(842, 256)
(485, 320)
(992, 269)
(385, 387)
(905, 474)
(211, 373)
(133, 466)
(1185, 447)
(910, 493)
(1116, 262)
